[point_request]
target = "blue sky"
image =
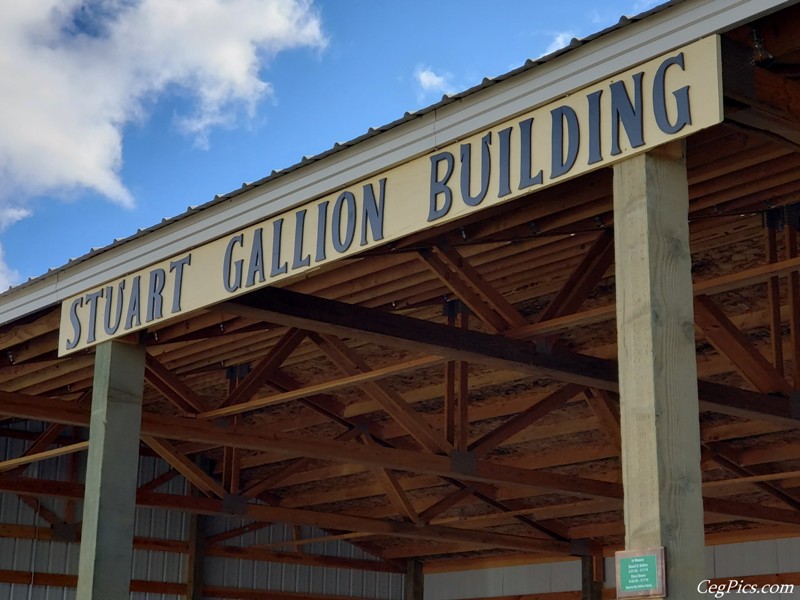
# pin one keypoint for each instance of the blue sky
(118, 113)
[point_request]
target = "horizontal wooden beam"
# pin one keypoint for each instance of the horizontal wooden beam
(172, 388)
(731, 342)
(265, 368)
(284, 307)
(717, 285)
(329, 316)
(760, 98)
(329, 521)
(325, 386)
(715, 397)
(12, 463)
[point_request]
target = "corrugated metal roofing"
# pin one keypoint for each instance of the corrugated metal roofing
(339, 146)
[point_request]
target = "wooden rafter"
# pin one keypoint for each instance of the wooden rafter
(392, 402)
(607, 412)
(464, 291)
(583, 279)
(193, 430)
(395, 492)
(172, 388)
(767, 486)
(526, 418)
(196, 504)
(315, 389)
(299, 542)
(472, 288)
(231, 534)
(40, 444)
(731, 342)
(18, 334)
(295, 466)
(261, 373)
(159, 480)
(717, 285)
(40, 510)
(13, 463)
(185, 467)
(447, 502)
(759, 98)
(338, 318)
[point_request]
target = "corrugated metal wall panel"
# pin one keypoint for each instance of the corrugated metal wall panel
(297, 578)
(751, 558)
(151, 565)
(230, 572)
(775, 556)
(23, 592)
(31, 555)
(728, 561)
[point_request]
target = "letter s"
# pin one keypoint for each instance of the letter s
(76, 323)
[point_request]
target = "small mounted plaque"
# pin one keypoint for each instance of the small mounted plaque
(641, 573)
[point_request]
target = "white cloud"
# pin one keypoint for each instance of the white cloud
(431, 83)
(560, 40)
(73, 73)
(8, 276)
(8, 216)
(11, 214)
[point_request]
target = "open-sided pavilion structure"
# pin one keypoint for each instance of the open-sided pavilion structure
(546, 319)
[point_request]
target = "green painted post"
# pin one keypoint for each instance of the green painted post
(111, 472)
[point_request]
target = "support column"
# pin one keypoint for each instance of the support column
(110, 498)
(658, 374)
(592, 575)
(414, 581)
(198, 528)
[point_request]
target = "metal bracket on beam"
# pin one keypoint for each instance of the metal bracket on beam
(464, 462)
(451, 308)
(234, 504)
(64, 532)
(237, 372)
(763, 57)
(585, 547)
(774, 219)
(361, 427)
(794, 404)
(791, 216)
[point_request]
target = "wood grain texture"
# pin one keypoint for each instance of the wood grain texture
(658, 373)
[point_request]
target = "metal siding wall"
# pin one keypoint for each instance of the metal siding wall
(31, 555)
(298, 578)
(727, 561)
(504, 581)
(759, 558)
(151, 565)
(767, 557)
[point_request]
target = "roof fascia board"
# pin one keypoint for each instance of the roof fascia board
(582, 66)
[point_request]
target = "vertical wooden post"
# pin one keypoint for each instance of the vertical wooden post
(658, 373)
(591, 577)
(198, 526)
(414, 582)
(774, 292)
(794, 298)
(110, 498)
(456, 384)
